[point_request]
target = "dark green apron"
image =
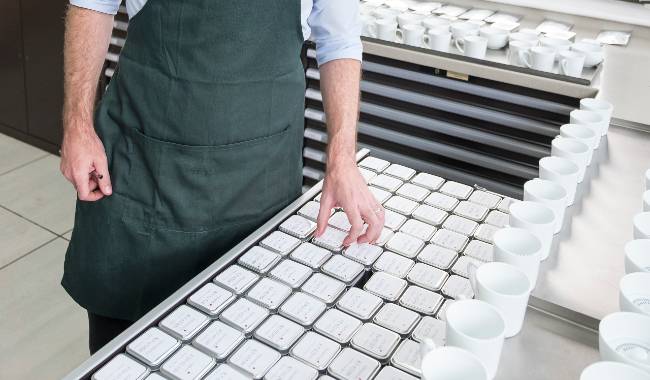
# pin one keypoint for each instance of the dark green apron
(202, 126)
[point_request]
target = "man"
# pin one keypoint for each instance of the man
(197, 140)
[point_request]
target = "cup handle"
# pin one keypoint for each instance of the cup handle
(426, 345)
(524, 56)
(426, 39)
(399, 36)
(460, 42)
(471, 271)
(372, 30)
(563, 67)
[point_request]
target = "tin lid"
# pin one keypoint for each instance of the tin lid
(418, 229)
(426, 276)
(375, 341)
(323, 287)
(396, 318)
(442, 313)
(279, 332)
(367, 174)
(437, 256)
(298, 226)
(399, 171)
(428, 181)
(393, 220)
(457, 286)
(429, 214)
(311, 255)
(153, 347)
(236, 279)
(413, 192)
(486, 232)
(351, 364)
(374, 164)
(302, 308)
(394, 264)
(359, 303)
(400, 204)
(385, 235)
(380, 195)
(290, 273)
(254, 358)
(450, 239)
(497, 218)
(269, 293)
(315, 350)
(484, 198)
(280, 242)
(244, 315)
(288, 368)
(258, 259)
(364, 254)
(218, 340)
(211, 299)
(187, 363)
(342, 268)
(226, 372)
(504, 205)
(184, 322)
(441, 201)
(121, 367)
(386, 182)
(431, 328)
(471, 211)
(461, 267)
(405, 245)
(337, 325)
(407, 357)
(392, 373)
(310, 210)
(331, 239)
(480, 250)
(456, 190)
(385, 286)
(421, 300)
(459, 224)
(340, 220)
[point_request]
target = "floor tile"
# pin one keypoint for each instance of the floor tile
(40, 193)
(19, 236)
(44, 333)
(14, 153)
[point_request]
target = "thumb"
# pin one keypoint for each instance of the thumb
(326, 205)
(103, 177)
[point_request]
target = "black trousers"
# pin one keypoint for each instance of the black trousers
(102, 330)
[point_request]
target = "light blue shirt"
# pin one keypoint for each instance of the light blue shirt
(334, 25)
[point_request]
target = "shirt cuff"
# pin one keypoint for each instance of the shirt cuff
(103, 6)
(330, 50)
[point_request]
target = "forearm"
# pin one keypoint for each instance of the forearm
(87, 36)
(340, 88)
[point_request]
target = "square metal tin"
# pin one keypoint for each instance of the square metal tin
(187, 363)
(337, 325)
(351, 364)
(427, 276)
(184, 322)
(236, 279)
(421, 300)
(302, 308)
(311, 255)
(385, 285)
(396, 318)
(218, 340)
(254, 358)
(359, 303)
(323, 287)
(152, 347)
(315, 350)
(375, 341)
(211, 299)
(279, 332)
(269, 293)
(244, 315)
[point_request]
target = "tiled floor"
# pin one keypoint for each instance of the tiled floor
(43, 333)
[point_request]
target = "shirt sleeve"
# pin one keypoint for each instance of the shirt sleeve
(336, 29)
(103, 6)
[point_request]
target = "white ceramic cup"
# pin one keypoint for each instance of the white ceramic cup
(537, 219)
(634, 293)
(646, 200)
(637, 258)
(472, 46)
(613, 371)
(647, 179)
(625, 337)
(601, 107)
(550, 194)
(539, 58)
(505, 287)
(385, 14)
(497, 38)
(463, 28)
(641, 223)
(449, 363)
(384, 29)
(583, 133)
(438, 39)
(478, 327)
(515, 51)
(590, 119)
(412, 34)
(518, 247)
(574, 150)
(436, 23)
(594, 54)
(571, 63)
(557, 44)
(407, 18)
(562, 171)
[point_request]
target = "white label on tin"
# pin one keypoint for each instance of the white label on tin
(280, 242)
(484, 198)
(413, 192)
(431, 328)
(359, 303)
(218, 339)
(302, 308)
(385, 235)
(428, 181)
(407, 357)
(400, 204)
(497, 218)
(254, 358)
(420, 299)
(405, 244)
(311, 255)
(211, 298)
(323, 287)
(402, 172)
(457, 286)
(385, 285)
(380, 195)
(331, 239)
(480, 250)
(437, 256)
(427, 276)
(393, 220)
(471, 210)
(337, 325)
(394, 264)
(374, 163)
(353, 365)
(152, 346)
(291, 273)
(259, 259)
(269, 293)
(455, 189)
(279, 332)
(396, 318)
(365, 253)
(188, 363)
(418, 229)
(316, 350)
(441, 201)
(459, 224)
(121, 367)
(430, 214)
(244, 315)
(288, 368)
(486, 232)
(298, 226)
(310, 210)
(449, 239)
(342, 268)
(184, 322)
(386, 182)
(340, 220)
(226, 372)
(236, 278)
(375, 340)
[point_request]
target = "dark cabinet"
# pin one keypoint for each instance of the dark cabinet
(12, 74)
